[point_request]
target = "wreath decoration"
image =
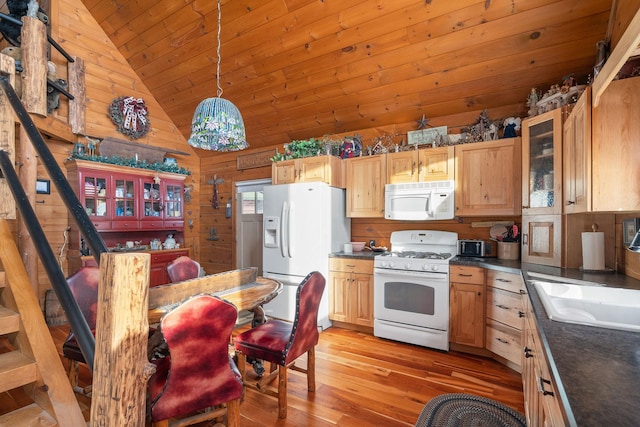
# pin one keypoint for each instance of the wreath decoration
(130, 115)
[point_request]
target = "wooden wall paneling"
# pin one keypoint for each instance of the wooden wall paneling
(621, 17)
(576, 224)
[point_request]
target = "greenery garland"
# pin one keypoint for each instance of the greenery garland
(130, 115)
(133, 163)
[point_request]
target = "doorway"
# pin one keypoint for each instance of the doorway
(249, 202)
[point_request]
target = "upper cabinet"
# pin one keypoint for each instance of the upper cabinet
(327, 169)
(616, 150)
(542, 164)
(429, 164)
(119, 198)
(487, 176)
(365, 177)
(576, 155)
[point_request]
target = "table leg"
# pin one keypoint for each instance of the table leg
(258, 319)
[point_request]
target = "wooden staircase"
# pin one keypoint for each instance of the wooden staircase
(33, 362)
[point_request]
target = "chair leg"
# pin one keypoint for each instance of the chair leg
(282, 391)
(311, 369)
(233, 413)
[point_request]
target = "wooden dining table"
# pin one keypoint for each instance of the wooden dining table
(243, 288)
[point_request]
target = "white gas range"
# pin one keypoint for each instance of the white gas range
(411, 288)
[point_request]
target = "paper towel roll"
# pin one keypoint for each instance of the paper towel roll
(593, 250)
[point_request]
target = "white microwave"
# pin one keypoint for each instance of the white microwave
(419, 201)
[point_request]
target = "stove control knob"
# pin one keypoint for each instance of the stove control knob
(407, 266)
(435, 267)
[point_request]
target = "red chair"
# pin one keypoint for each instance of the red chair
(281, 343)
(84, 288)
(183, 268)
(198, 373)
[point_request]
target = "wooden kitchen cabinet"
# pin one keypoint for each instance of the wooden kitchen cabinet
(542, 237)
(466, 305)
(365, 178)
(503, 333)
(327, 169)
(428, 164)
(541, 400)
(351, 291)
(616, 151)
(576, 156)
(542, 164)
(487, 176)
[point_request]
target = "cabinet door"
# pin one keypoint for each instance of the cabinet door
(95, 193)
(151, 210)
(437, 164)
(616, 153)
(542, 164)
(467, 314)
(313, 169)
(172, 204)
(339, 296)
(361, 293)
(158, 270)
(488, 178)
(577, 156)
(125, 202)
(542, 240)
(283, 172)
(402, 167)
(365, 186)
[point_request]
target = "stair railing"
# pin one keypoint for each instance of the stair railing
(84, 336)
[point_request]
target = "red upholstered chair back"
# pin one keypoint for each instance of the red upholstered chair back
(183, 268)
(305, 325)
(84, 287)
(198, 373)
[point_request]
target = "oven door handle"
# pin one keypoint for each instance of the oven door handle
(394, 274)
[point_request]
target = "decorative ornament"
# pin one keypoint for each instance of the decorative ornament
(156, 179)
(130, 115)
(423, 122)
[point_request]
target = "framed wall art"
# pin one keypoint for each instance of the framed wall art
(43, 186)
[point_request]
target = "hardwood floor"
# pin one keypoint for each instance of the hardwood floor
(362, 380)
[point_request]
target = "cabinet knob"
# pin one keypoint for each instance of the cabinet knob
(570, 202)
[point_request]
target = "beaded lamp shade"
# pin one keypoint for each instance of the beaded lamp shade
(217, 124)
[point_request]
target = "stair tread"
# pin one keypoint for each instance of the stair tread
(9, 321)
(31, 415)
(16, 370)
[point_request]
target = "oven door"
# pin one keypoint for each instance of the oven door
(412, 298)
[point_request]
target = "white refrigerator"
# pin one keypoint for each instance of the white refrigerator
(303, 224)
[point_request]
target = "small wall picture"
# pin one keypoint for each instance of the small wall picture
(629, 228)
(43, 186)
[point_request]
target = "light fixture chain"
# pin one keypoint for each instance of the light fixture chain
(218, 67)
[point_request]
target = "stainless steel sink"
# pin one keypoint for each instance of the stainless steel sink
(594, 305)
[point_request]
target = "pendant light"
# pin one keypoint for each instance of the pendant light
(217, 124)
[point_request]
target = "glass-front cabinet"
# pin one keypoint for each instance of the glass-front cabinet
(94, 190)
(542, 164)
(124, 202)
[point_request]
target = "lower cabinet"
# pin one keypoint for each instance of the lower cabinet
(541, 400)
(466, 305)
(158, 269)
(503, 332)
(351, 291)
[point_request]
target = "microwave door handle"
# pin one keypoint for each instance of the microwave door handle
(430, 204)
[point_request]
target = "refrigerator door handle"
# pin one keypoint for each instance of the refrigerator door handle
(283, 229)
(290, 222)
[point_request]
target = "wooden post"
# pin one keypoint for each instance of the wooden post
(7, 137)
(34, 61)
(77, 88)
(121, 369)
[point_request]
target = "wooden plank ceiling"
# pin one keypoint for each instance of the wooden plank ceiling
(307, 68)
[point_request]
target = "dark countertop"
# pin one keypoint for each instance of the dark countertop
(597, 370)
(355, 255)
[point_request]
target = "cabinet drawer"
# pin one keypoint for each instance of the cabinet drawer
(351, 265)
(465, 274)
(125, 225)
(505, 307)
(507, 281)
(504, 341)
(167, 256)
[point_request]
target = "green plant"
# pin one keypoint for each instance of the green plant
(299, 148)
